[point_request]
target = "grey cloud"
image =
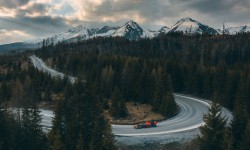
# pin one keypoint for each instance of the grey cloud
(154, 10)
(213, 6)
(223, 10)
(41, 25)
(38, 26)
(34, 8)
(38, 8)
(211, 12)
(13, 3)
(149, 10)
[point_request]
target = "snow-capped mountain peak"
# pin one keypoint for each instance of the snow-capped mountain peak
(187, 19)
(72, 35)
(131, 30)
(76, 29)
(132, 24)
(191, 26)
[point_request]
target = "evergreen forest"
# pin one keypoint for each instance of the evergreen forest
(145, 71)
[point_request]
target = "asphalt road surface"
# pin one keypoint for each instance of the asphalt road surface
(40, 65)
(189, 118)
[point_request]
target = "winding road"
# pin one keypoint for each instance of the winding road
(40, 65)
(188, 119)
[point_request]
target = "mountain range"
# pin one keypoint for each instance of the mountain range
(130, 30)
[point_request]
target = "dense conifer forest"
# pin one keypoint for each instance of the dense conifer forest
(145, 71)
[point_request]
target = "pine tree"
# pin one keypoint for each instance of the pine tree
(96, 134)
(244, 145)
(248, 93)
(25, 128)
(31, 129)
(57, 143)
(122, 109)
(114, 105)
(227, 143)
(145, 82)
(212, 133)
(168, 106)
(5, 92)
(229, 92)
(18, 97)
(223, 28)
(118, 106)
(9, 135)
(80, 143)
(78, 122)
(3, 130)
(239, 122)
(39, 138)
(238, 126)
(108, 139)
(107, 80)
(160, 87)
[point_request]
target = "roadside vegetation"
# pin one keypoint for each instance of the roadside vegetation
(137, 113)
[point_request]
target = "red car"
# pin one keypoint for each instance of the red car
(148, 124)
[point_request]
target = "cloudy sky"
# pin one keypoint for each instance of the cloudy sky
(27, 19)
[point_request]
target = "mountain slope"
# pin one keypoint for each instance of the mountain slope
(17, 47)
(72, 35)
(164, 29)
(132, 31)
(104, 31)
(235, 30)
(190, 26)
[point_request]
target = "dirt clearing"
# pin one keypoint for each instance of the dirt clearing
(136, 113)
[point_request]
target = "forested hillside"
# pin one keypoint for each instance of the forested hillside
(144, 71)
(196, 65)
(79, 121)
(200, 65)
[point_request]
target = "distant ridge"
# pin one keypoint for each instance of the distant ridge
(130, 30)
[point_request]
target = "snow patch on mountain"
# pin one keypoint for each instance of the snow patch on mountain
(131, 30)
(74, 34)
(235, 30)
(34, 41)
(186, 25)
(104, 31)
(164, 29)
(190, 26)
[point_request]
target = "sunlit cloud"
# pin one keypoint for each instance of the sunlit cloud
(5, 12)
(13, 36)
